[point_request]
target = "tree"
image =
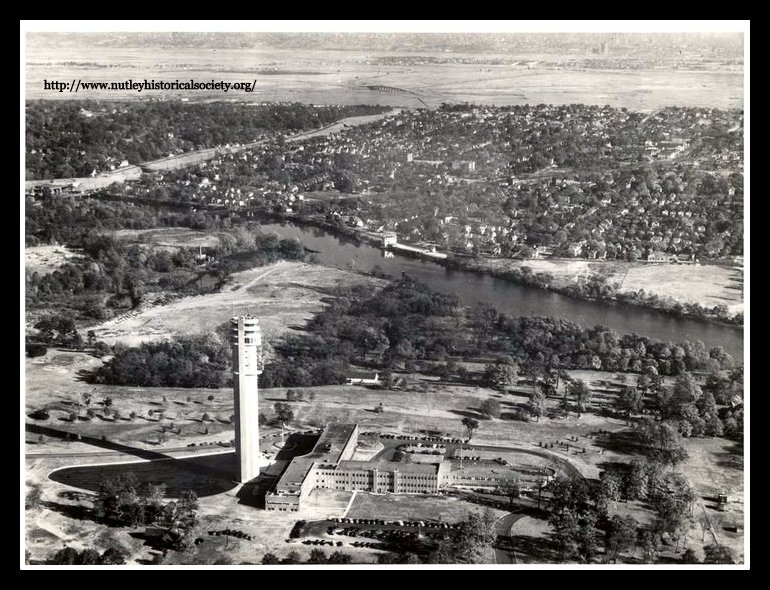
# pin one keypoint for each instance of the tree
(502, 373)
(188, 502)
(707, 406)
(210, 398)
(510, 487)
(686, 390)
(205, 417)
(66, 556)
(88, 557)
(580, 391)
(112, 556)
(41, 414)
(630, 401)
(718, 554)
(672, 502)
(690, 557)
(152, 494)
(636, 481)
(34, 350)
(620, 537)
(292, 558)
(386, 559)
(317, 556)
(340, 557)
(471, 425)
(284, 413)
(609, 492)
(33, 497)
(569, 494)
(536, 404)
(575, 532)
(650, 543)
(224, 560)
(270, 559)
(490, 408)
(293, 395)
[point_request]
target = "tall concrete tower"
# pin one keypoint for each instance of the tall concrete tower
(247, 365)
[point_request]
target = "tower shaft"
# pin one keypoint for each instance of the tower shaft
(247, 365)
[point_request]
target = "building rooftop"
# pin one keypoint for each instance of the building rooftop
(295, 473)
(391, 466)
(327, 450)
(330, 445)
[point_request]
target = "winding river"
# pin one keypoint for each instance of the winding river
(508, 297)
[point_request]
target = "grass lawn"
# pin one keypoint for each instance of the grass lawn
(52, 381)
(413, 507)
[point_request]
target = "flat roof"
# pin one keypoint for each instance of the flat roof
(292, 478)
(327, 449)
(391, 466)
(327, 452)
(331, 443)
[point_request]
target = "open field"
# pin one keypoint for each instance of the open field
(169, 237)
(45, 259)
(342, 77)
(291, 296)
(707, 285)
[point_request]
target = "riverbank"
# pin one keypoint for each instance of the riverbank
(691, 291)
(695, 291)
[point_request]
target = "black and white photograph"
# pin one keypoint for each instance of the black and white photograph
(384, 295)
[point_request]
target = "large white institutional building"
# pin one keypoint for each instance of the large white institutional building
(247, 366)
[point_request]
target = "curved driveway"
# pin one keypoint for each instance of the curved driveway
(503, 528)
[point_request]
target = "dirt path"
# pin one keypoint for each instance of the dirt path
(255, 280)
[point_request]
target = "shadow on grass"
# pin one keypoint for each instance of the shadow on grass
(206, 476)
(732, 457)
(469, 413)
(543, 549)
(96, 442)
(624, 442)
(617, 467)
(76, 512)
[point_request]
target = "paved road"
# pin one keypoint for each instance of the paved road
(204, 450)
(197, 156)
(503, 528)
